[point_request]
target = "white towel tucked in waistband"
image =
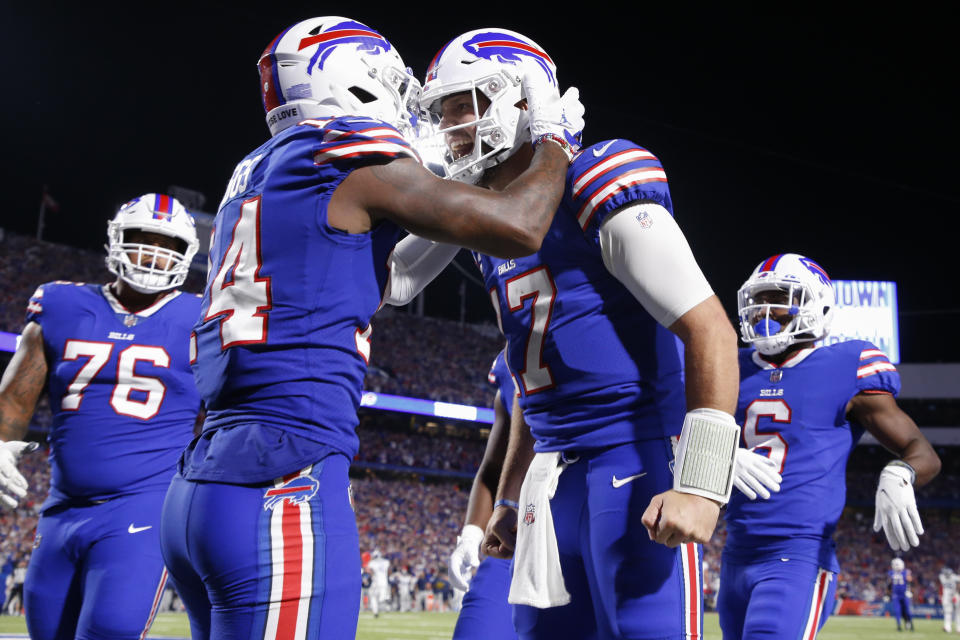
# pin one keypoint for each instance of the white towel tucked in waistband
(537, 577)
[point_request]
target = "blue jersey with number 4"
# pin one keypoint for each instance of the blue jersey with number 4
(284, 335)
(120, 389)
(796, 414)
(593, 368)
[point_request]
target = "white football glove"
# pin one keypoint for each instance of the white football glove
(549, 113)
(13, 485)
(896, 509)
(466, 556)
(755, 474)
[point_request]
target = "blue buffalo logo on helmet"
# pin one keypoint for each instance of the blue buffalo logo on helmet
(296, 491)
(508, 48)
(816, 270)
(349, 32)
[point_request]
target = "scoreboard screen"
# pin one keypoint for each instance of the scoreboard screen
(866, 310)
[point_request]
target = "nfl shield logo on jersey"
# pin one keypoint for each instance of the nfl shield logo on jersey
(295, 491)
(531, 514)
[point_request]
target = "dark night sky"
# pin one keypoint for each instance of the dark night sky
(816, 133)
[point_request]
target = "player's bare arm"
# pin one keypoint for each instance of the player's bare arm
(480, 504)
(896, 505)
(466, 556)
(509, 223)
(23, 382)
(673, 518)
(879, 414)
(501, 538)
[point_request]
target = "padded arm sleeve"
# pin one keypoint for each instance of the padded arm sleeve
(644, 249)
(414, 263)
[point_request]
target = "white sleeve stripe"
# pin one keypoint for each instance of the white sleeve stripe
(866, 354)
(622, 181)
(361, 148)
(617, 159)
(875, 368)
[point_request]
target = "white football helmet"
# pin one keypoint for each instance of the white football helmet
(803, 290)
(330, 67)
(136, 263)
(485, 60)
(897, 564)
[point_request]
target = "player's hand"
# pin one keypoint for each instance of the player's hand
(673, 518)
(13, 485)
(549, 113)
(754, 474)
(909, 594)
(466, 557)
(896, 508)
(501, 538)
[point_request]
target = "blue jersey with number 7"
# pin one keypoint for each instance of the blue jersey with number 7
(284, 333)
(593, 368)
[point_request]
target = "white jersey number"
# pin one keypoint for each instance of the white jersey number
(127, 379)
(772, 441)
(238, 293)
(537, 284)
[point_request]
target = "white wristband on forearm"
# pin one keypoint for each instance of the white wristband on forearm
(706, 454)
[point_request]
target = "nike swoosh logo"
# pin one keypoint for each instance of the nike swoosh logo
(619, 482)
(133, 529)
(602, 150)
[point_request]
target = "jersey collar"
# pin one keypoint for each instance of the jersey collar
(792, 361)
(118, 307)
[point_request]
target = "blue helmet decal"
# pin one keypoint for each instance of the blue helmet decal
(349, 32)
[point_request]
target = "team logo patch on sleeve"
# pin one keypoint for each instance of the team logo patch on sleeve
(295, 491)
(530, 515)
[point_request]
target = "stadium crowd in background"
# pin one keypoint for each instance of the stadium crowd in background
(415, 522)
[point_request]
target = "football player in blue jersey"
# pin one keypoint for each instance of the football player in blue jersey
(805, 407)
(900, 594)
(605, 324)
(485, 613)
(116, 363)
(258, 529)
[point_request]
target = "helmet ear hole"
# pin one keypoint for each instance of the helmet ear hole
(362, 94)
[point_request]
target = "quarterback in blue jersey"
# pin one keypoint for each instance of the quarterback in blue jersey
(301, 257)
(592, 321)
(805, 407)
(485, 613)
(116, 363)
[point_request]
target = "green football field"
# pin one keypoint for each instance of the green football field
(439, 626)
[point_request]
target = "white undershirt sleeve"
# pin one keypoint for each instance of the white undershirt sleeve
(414, 263)
(644, 249)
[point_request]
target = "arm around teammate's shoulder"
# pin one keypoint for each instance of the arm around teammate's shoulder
(506, 224)
(23, 381)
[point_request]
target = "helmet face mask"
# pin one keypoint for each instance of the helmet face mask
(330, 67)
(487, 62)
(149, 268)
(788, 299)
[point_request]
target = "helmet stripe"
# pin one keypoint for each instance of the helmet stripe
(335, 35)
(516, 45)
(270, 88)
(162, 204)
(432, 67)
(771, 263)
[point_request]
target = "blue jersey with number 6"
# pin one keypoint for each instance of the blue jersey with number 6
(284, 334)
(796, 414)
(120, 389)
